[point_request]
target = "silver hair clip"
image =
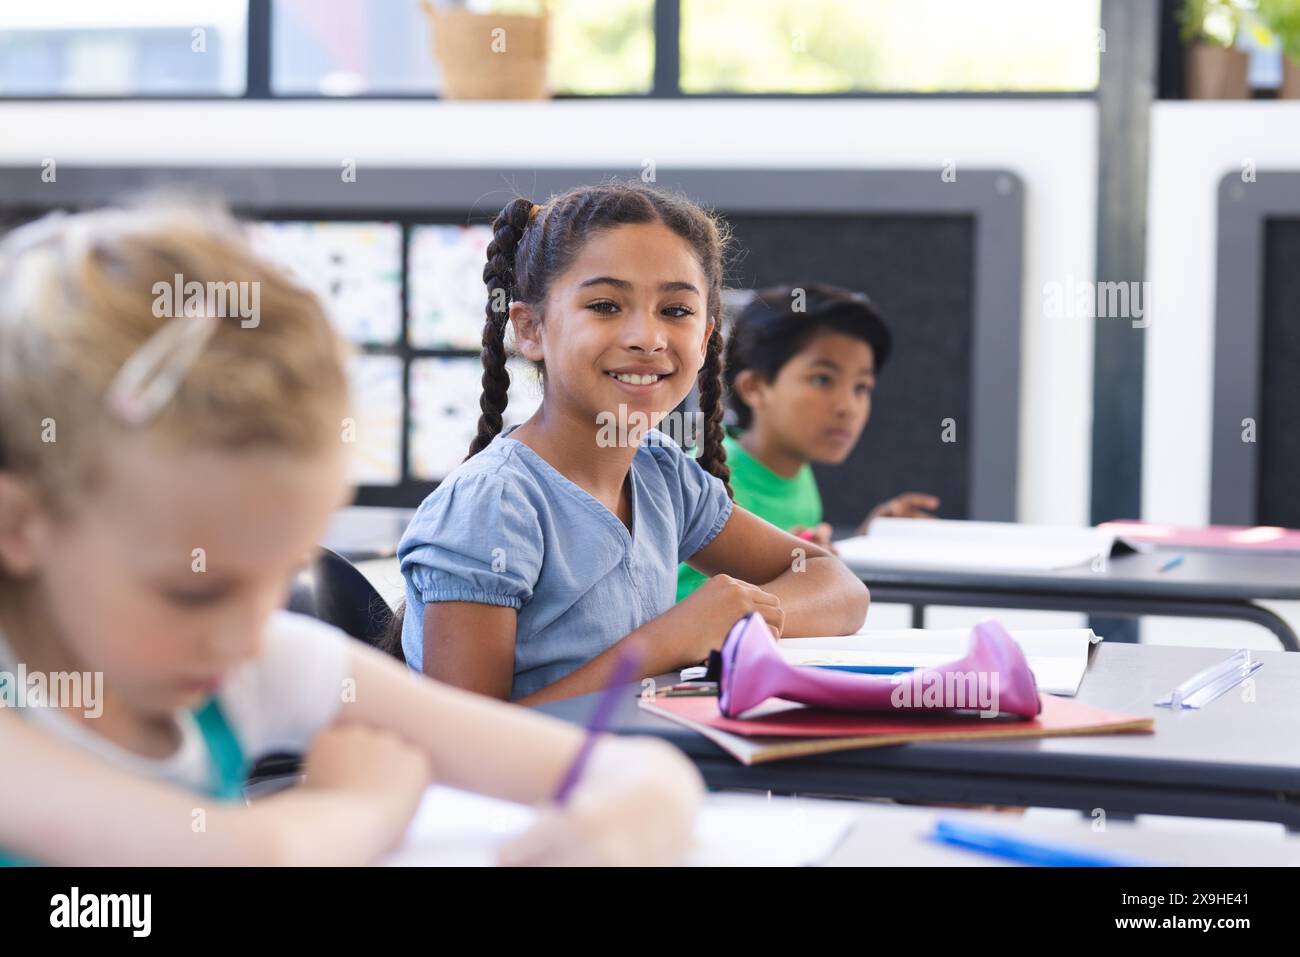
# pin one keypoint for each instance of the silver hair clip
(152, 374)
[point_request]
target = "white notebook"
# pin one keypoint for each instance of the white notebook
(459, 829)
(980, 546)
(1058, 657)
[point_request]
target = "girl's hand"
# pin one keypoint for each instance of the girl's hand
(354, 757)
(635, 805)
(819, 535)
(707, 614)
(907, 505)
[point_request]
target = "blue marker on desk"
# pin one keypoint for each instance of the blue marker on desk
(1021, 850)
(1170, 563)
(885, 670)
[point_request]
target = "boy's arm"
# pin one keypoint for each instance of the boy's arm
(907, 505)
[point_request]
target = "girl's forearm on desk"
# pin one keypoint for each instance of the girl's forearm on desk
(822, 598)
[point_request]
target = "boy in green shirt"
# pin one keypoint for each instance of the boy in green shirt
(801, 364)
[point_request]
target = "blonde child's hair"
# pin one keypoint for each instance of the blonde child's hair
(78, 299)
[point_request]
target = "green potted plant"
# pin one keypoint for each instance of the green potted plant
(1282, 17)
(1215, 70)
(490, 56)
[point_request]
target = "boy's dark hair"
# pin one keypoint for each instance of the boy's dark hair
(768, 332)
(533, 244)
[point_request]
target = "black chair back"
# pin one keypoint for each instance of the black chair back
(332, 590)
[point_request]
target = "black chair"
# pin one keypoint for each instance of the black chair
(332, 590)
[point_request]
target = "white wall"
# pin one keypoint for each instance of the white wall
(1050, 144)
(1192, 146)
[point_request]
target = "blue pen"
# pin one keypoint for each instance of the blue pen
(870, 669)
(1169, 563)
(1023, 850)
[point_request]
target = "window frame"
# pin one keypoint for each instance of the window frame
(665, 78)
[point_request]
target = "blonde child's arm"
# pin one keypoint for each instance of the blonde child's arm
(475, 743)
(62, 806)
(634, 803)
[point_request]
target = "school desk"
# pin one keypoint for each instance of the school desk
(1203, 585)
(884, 835)
(452, 828)
(1234, 759)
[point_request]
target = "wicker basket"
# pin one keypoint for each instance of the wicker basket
(1217, 73)
(480, 63)
(1290, 89)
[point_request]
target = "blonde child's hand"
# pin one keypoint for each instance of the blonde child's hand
(907, 505)
(708, 613)
(635, 805)
(818, 535)
(362, 787)
(354, 757)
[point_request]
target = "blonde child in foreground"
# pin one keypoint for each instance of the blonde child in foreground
(161, 479)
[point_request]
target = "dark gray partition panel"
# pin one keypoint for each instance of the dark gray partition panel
(1279, 445)
(925, 247)
(1257, 352)
(919, 271)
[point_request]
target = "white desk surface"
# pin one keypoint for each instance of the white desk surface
(457, 829)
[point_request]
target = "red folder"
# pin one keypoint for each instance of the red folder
(781, 729)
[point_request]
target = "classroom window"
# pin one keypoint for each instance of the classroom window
(835, 46)
(597, 47)
(602, 46)
(144, 48)
(345, 48)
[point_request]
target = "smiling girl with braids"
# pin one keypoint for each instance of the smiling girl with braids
(551, 551)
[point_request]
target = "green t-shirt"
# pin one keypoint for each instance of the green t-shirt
(785, 502)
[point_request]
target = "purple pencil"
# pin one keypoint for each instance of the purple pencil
(624, 673)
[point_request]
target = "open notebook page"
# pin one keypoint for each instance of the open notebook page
(458, 829)
(978, 546)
